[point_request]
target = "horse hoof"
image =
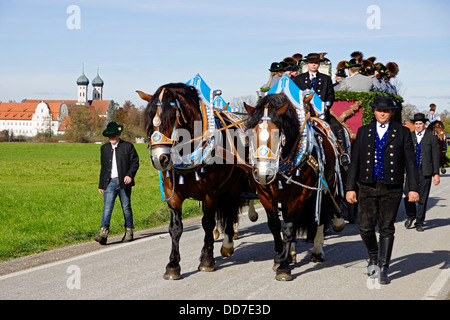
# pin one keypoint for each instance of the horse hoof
(206, 268)
(215, 234)
(283, 276)
(226, 252)
(172, 273)
(253, 217)
(317, 257)
(293, 257)
(338, 224)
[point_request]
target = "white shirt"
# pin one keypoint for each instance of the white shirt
(419, 136)
(382, 130)
(312, 75)
(114, 172)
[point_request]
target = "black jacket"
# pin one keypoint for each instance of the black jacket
(399, 156)
(324, 85)
(127, 163)
(430, 153)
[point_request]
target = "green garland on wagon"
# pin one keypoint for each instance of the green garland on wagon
(367, 98)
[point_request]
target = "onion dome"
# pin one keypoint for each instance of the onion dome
(82, 80)
(97, 82)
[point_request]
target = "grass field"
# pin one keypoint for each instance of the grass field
(49, 197)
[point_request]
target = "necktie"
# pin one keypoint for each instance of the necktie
(419, 134)
(313, 81)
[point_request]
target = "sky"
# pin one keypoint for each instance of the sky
(141, 45)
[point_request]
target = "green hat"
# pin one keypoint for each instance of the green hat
(276, 66)
(380, 68)
(432, 107)
(356, 61)
(112, 129)
(341, 73)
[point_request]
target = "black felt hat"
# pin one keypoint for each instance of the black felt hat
(383, 102)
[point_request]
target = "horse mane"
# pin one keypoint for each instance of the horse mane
(287, 123)
(187, 96)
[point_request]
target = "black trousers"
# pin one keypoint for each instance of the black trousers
(378, 204)
(424, 191)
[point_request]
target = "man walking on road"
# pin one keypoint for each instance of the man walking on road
(119, 164)
(427, 158)
(382, 151)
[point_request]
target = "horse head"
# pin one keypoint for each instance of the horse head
(173, 107)
(438, 129)
(274, 128)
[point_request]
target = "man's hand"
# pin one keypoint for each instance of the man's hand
(127, 180)
(436, 179)
(350, 196)
(413, 196)
(101, 191)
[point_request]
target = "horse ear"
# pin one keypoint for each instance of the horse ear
(283, 109)
(144, 96)
(307, 99)
(249, 108)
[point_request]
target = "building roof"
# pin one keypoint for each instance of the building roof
(17, 110)
(97, 82)
(82, 80)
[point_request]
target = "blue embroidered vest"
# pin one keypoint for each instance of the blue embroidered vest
(379, 156)
(419, 155)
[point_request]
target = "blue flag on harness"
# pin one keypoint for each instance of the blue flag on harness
(289, 88)
(317, 103)
(219, 102)
(204, 92)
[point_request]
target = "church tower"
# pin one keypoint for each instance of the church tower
(97, 92)
(82, 83)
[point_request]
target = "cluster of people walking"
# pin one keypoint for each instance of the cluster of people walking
(382, 153)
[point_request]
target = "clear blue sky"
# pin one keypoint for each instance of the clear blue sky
(140, 45)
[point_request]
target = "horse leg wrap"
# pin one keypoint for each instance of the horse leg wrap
(317, 252)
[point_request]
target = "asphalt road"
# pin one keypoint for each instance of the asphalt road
(420, 266)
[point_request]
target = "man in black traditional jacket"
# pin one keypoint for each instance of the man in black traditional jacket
(382, 151)
(323, 87)
(119, 164)
(428, 163)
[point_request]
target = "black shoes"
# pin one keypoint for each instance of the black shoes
(408, 222)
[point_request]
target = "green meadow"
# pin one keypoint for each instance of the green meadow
(49, 197)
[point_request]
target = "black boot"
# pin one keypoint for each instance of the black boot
(384, 257)
(345, 157)
(372, 248)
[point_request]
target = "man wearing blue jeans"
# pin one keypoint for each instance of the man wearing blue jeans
(119, 164)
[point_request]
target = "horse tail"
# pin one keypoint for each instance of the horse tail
(306, 218)
(228, 209)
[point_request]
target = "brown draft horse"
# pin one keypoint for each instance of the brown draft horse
(438, 129)
(274, 135)
(172, 112)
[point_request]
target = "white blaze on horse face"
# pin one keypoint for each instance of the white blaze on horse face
(264, 135)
